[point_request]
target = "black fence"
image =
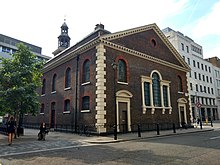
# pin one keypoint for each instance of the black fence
(94, 129)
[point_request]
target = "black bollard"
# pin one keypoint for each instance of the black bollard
(139, 131)
(211, 124)
(174, 128)
(201, 124)
(115, 132)
(158, 130)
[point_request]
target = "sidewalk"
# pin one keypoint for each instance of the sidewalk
(31, 135)
(145, 135)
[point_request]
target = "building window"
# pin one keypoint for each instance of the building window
(152, 97)
(122, 71)
(210, 80)
(182, 45)
(86, 103)
(188, 61)
(67, 78)
(180, 84)
(207, 78)
(209, 69)
(195, 75)
(165, 96)
(203, 77)
(199, 76)
(43, 87)
(42, 109)
(54, 83)
(202, 66)
(147, 93)
(197, 87)
(191, 86)
(187, 49)
(156, 90)
(86, 71)
(198, 65)
(194, 63)
(67, 105)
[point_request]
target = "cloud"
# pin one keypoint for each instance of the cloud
(208, 24)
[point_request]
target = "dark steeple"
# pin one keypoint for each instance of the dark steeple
(63, 39)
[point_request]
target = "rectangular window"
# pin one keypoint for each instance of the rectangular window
(194, 63)
(182, 45)
(165, 96)
(187, 49)
(188, 61)
(198, 65)
(147, 93)
(195, 75)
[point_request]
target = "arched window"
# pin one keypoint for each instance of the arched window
(86, 71)
(156, 90)
(67, 78)
(54, 83)
(180, 84)
(66, 105)
(43, 87)
(85, 103)
(122, 71)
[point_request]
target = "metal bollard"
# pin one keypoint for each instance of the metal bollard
(174, 128)
(211, 124)
(139, 131)
(158, 129)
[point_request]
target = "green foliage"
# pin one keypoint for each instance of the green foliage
(20, 78)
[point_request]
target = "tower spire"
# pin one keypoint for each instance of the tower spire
(63, 38)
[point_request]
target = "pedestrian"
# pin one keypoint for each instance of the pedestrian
(10, 129)
(43, 131)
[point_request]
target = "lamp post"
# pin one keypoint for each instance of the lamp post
(114, 66)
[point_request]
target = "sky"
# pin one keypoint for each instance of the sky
(38, 22)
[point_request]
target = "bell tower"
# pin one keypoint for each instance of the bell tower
(63, 39)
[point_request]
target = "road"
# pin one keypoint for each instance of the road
(195, 148)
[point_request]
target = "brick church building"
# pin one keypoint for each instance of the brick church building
(125, 78)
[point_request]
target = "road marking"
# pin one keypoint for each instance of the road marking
(217, 137)
(50, 149)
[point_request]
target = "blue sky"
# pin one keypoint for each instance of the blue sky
(38, 22)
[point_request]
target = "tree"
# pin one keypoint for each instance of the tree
(20, 79)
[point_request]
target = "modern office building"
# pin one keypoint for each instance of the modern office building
(215, 61)
(202, 87)
(8, 47)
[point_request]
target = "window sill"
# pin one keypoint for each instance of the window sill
(123, 83)
(180, 92)
(66, 112)
(85, 111)
(66, 89)
(86, 83)
(53, 92)
(41, 113)
(43, 95)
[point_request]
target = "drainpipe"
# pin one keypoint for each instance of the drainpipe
(76, 94)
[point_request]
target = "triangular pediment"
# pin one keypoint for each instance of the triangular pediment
(148, 41)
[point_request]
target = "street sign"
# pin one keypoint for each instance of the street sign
(198, 104)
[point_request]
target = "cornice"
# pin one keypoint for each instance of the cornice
(70, 55)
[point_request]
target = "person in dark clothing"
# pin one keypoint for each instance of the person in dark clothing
(11, 129)
(43, 131)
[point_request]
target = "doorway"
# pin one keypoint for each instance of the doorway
(123, 111)
(123, 117)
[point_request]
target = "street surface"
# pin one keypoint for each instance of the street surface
(193, 148)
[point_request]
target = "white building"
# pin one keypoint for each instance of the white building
(204, 103)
